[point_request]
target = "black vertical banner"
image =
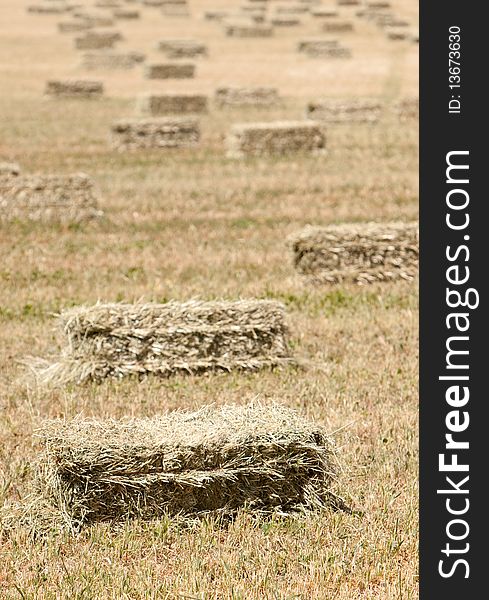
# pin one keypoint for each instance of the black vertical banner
(454, 434)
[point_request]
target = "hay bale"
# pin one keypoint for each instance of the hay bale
(337, 27)
(58, 198)
(104, 60)
(126, 14)
(348, 2)
(97, 40)
(344, 111)
(246, 96)
(324, 12)
(172, 132)
(107, 4)
(268, 459)
(75, 89)
(317, 44)
(94, 20)
(8, 168)
(117, 340)
(73, 26)
(215, 15)
(45, 9)
(294, 9)
(182, 48)
(406, 109)
(172, 103)
(285, 21)
(170, 71)
(361, 253)
(275, 138)
(248, 31)
(398, 34)
(376, 4)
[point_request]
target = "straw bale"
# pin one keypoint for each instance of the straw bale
(170, 71)
(73, 26)
(406, 109)
(123, 13)
(97, 40)
(275, 138)
(348, 2)
(317, 44)
(216, 460)
(323, 12)
(246, 96)
(156, 3)
(172, 103)
(59, 198)
(171, 132)
(75, 89)
(9, 168)
(285, 21)
(215, 15)
(295, 9)
(337, 26)
(249, 31)
(46, 9)
(345, 111)
(182, 48)
(361, 253)
(107, 4)
(111, 60)
(95, 20)
(117, 340)
(396, 33)
(378, 4)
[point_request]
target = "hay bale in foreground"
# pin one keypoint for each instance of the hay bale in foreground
(170, 71)
(58, 198)
(275, 138)
(116, 340)
(344, 111)
(266, 459)
(103, 60)
(170, 104)
(246, 96)
(75, 89)
(361, 253)
(182, 48)
(170, 132)
(8, 168)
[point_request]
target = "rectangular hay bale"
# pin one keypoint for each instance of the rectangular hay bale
(54, 198)
(337, 26)
(345, 111)
(249, 31)
(214, 460)
(360, 253)
(246, 96)
(172, 103)
(170, 71)
(75, 89)
(117, 340)
(275, 138)
(103, 60)
(97, 40)
(182, 48)
(170, 132)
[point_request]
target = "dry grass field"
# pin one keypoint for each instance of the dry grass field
(192, 223)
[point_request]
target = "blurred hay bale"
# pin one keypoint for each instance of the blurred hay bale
(103, 60)
(154, 3)
(344, 111)
(75, 89)
(246, 96)
(94, 19)
(54, 198)
(337, 27)
(320, 48)
(48, 9)
(107, 4)
(348, 2)
(73, 26)
(275, 138)
(292, 9)
(170, 71)
(8, 168)
(376, 4)
(174, 132)
(126, 14)
(283, 21)
(97, 40)
(242, 30)
(215, 15)
(172, 103)
(324, 12)
(397, 33)
(182, 48)
(267, 459)
(361, 253)
(116, 340)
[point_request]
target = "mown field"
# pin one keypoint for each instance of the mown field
(192, 223)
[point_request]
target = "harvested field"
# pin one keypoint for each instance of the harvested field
(345, 111)
(174, 132)
(117, 340)
(171, 104)
(276, 138)
(170, 71)
(75, 89)
(239, 96)
(361, 253)
(47, 198)
(267, 458)
(104, 60)
(190, 223)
